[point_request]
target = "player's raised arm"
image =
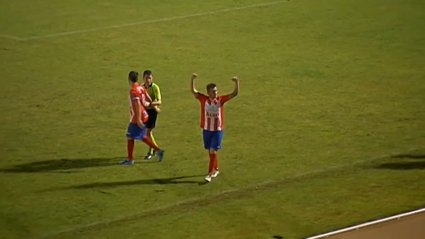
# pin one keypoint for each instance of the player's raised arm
(236, 89)
(192, 85)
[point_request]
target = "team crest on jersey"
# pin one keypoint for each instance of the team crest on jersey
(213, 109)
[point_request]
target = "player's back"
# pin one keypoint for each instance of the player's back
(136, 89)
(137, 92)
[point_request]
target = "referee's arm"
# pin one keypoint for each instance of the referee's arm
(156, 101)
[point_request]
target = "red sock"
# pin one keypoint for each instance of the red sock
(130, 148)
(151, 144)
(215, 162)
(212, 162)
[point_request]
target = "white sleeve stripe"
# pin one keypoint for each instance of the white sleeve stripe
(135, 98)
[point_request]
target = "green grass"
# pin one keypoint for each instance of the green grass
(324, 84)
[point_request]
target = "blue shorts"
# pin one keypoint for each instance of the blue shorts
(212, 139)
(135, 132)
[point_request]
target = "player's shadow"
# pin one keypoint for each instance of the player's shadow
(402, 165)
(407, 162)
(410, 156)
(172, 180)
(63, 165)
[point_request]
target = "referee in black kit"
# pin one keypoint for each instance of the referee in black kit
(153, 110)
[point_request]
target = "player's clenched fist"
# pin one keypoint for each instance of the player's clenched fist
(194, 75)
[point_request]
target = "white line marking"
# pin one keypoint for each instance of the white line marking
(157, 20)
(12, 37)
(368, 224)
(230, 191)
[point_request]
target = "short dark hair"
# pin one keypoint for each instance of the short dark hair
(133, 76)
(210, 86)
(147, 73)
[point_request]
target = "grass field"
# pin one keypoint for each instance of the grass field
(328, 130)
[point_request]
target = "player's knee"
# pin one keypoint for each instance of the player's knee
(213, 151)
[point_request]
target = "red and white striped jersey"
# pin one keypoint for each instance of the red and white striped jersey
(212, 112)
(137, 93)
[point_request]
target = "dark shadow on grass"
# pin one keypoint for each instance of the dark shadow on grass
(405, 161)
(411, 156)
(61, 165)
(154, 181)
(173, 180)
(402, 165)
(277, 237)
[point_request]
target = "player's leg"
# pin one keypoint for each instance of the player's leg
(207, 138)
(150, 125)
(151, 151)
(132, 133)
(151, 144)
(215, 146)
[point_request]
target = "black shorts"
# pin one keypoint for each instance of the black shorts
(150, 124)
